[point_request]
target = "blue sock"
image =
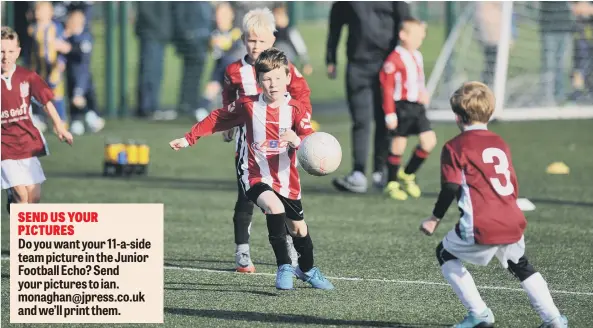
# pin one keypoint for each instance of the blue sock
(61, 108)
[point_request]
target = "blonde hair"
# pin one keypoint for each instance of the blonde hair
(473, 102)
(9, 34)
(42, 4)
(259, 19)
(270, 60)
(407, 22)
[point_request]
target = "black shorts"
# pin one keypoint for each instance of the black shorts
(292, 207)
(411, 119)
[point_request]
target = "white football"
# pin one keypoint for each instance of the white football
(320, 154)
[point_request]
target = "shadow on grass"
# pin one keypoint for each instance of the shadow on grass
(213, 284)
(215, 261)
(243, 291)
(197, 267)
(288, 318)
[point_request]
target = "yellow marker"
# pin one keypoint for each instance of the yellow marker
(112, 151)
(111, 165)
(132, 151)
(143, 154)
(558, 168)
(143, 158)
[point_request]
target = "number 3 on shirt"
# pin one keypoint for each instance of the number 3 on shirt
(488, 156)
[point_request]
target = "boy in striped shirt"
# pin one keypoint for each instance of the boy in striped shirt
(240, 80)
(273, 125)
(404, 97)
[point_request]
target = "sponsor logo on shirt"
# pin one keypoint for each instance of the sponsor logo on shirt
(269, 147)
(24, 89)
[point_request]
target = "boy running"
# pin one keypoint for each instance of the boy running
(240, 80)
(476, 168)
(272, 124)
(22, 142)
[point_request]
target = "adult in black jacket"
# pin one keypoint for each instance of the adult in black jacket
(372, 35)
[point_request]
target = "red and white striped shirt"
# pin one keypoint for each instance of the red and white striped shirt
(263, 157)
(402, 78)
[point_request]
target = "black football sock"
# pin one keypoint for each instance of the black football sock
(417, 159)
(241, 221)
(277, 237)
(304, 246)
(393, 164)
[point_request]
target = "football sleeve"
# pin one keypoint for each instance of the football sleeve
(302, 124)
(387, 80)
(450, 166)
(229, 91)
(299, 89)
(40, 90)
(221, 119)
(450, 182)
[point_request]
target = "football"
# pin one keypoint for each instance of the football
(320, 154)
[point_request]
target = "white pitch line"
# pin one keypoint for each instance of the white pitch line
(393, 281)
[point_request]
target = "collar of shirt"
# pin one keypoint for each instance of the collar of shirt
(476, 127)
(287, 98)
(10, 73)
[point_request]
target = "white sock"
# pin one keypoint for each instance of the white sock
(540, 298)
(463, 284)
(242, 248)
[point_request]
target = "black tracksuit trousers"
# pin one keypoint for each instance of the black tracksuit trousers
(365, 105)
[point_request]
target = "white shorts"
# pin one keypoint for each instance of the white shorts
(483, 254)
(19, 172)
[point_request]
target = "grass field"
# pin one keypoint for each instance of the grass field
(367, 237)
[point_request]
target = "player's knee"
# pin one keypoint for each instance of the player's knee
(275, 208)
(20, 196)
(34, 194)
(298, 229)
(428, 140)
(398, 145)
(443, 255)
(522, 269)
(270, 203)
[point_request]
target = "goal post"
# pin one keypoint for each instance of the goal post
(500, 44)
(502, 58)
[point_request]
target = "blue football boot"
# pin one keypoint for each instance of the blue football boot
(284, 277)
(484, 320)
(315, 278)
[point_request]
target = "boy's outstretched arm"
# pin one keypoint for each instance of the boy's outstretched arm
(59, 128)
(450, 185)
(43, 94)
(221, 119)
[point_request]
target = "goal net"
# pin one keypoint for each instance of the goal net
(524, 51)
